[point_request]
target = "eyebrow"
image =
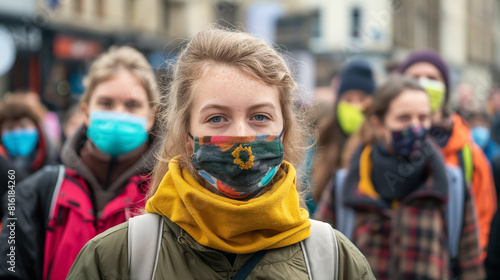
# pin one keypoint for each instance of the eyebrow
(222, 107)
(126, 99)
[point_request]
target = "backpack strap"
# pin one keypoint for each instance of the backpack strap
(466, 163)
(247, 268)
(144, 236)
(455, 211)
(344, 216)
(55, 194)
(321, 252)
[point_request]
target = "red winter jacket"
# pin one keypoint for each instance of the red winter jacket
(56, 215)
(72, 221)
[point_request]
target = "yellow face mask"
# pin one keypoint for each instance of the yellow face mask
(350, 117)
(435, 90)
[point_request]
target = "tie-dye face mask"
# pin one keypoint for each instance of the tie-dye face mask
(238, 166)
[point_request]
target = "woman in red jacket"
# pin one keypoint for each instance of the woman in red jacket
(104, 177)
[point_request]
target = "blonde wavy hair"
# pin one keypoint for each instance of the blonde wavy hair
(215, 46)
(108, 64)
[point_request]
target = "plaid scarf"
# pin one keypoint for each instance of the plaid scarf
(406, 239)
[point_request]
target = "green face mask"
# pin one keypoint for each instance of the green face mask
(350, 117)
(436, 92)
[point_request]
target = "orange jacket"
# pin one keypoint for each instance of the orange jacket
(482, 185)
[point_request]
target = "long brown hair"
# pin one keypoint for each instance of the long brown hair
(215, 46)
(328, 155)
(378, 106)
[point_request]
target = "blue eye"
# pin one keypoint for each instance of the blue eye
(260, 118)
(216, 119)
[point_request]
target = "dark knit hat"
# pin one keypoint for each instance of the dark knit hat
(357, 75)
(433, 58)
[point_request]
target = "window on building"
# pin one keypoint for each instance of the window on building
(100, 9)
(78, 7)
(356, 22)
(174, 19)
(480, 33)
(226, 13)
(130, 12)
(316, 24)
(416, 24)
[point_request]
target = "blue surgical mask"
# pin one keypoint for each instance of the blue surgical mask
(20, 142)
(481, 136)
(116, 133)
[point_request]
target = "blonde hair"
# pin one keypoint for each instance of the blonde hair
(214, 46)
(125, 58)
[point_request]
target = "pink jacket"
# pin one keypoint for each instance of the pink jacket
(72, 221)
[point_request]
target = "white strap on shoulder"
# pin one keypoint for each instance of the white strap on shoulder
(321, 252)
(455, 208)
(144, 237)
(60, 179)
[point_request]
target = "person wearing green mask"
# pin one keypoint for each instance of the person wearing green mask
(356, 85)
(453, 135)
(104, 176)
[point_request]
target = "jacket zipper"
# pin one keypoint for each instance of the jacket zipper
(111, 170)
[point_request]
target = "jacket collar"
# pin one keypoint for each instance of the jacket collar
(360, 191)
(71, 158)
(460, 136)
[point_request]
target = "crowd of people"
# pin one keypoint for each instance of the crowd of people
(228, 176)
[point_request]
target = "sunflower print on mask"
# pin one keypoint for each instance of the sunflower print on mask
(238, 167)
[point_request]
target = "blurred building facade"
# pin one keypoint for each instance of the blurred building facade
(55, 40)
(465, 32)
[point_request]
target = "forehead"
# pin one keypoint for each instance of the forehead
(479, 121)
(25, 121)
(228, 84)
(354, 93)
(410, 101)
(423, 69)
(122, 86)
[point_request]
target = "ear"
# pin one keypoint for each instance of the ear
(86, 114)
(377, 125)
(189, 145)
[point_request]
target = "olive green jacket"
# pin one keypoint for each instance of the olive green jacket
(181, 257)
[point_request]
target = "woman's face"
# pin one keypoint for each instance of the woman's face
(411, 107)
(122, 93)
(429, 71)
(228, 102)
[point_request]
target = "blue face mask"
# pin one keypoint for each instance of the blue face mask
(20, 142)
(116, 133)
(481, 136)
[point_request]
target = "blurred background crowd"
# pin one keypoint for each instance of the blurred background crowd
(340, 52)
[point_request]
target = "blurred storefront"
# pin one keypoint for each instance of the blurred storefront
(55, 41)
(71, 54)
(22, 58)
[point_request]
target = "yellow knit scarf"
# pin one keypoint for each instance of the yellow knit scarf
(272, 220)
